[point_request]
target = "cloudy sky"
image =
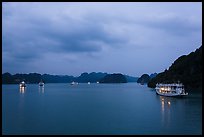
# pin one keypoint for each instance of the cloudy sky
(71, 38)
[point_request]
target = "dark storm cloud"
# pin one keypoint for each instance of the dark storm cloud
(57, 32)
(67, 35)
(174, 26)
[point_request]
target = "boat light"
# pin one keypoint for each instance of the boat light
(169, 102)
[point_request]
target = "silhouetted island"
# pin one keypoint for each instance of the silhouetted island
(92, 77)
(85, 77)
(144, 79)
(114, 78)
(187, 69)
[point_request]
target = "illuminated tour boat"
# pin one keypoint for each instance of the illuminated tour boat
(22, 84)
(171, 90)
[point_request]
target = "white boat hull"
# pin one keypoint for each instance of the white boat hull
(171, 90)
(171, 94)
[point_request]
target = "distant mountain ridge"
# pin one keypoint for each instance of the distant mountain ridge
(187, 69)
(114, 78)
(85, 77)
(145, 78)
(90, 77)
(153, 75)
(131, 78)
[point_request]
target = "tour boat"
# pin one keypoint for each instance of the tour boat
(22, 84)
(171, 90)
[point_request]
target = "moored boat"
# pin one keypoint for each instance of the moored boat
(171, 90)
(41, 83)
(22, 84)
(74, 83)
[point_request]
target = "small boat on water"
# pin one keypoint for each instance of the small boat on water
(89, 83)
(41, 83)
(74, 83)
(22, 84)
(171, 90)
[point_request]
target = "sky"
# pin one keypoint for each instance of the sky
(70, 38)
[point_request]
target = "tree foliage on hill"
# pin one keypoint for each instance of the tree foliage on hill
(131, 79)
(92, 77)
(114, 78)
(153, 75)
(7, 78)
(144, 79)
(187, 69)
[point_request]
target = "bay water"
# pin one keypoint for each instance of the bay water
(98, 109)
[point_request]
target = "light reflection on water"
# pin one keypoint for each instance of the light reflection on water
(165, 110)
(41, 89)
(97, 109)
(22, 90)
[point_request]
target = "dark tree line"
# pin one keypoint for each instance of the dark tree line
(114, 78)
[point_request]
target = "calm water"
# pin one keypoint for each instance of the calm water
(98, 109)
